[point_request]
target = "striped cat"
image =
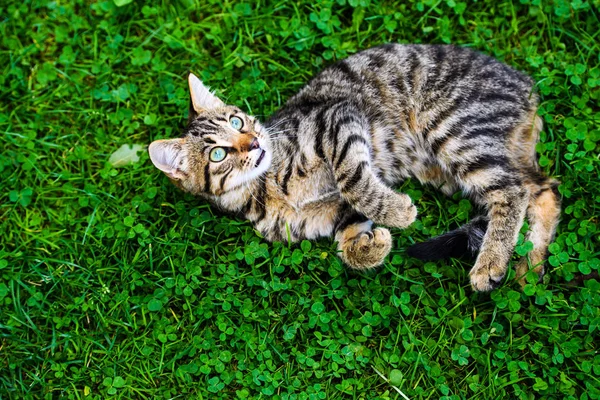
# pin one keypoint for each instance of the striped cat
(326, 162)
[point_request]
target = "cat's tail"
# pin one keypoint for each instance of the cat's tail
(465, 240)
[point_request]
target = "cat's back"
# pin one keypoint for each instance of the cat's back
(416, 76)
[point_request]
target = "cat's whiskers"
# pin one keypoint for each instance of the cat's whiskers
(273, 132)
(277, 124)
(274, 127)
(278, 133)
(281, 137)
(246, 185)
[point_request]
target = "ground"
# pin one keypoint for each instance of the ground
(115, 284)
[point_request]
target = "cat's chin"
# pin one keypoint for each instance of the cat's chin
(262, 164)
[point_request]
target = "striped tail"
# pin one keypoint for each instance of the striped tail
(465, 240)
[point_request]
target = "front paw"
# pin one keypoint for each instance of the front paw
(399, 213)
(486, 275)
(368, 249)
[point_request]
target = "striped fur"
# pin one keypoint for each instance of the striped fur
(445, 115)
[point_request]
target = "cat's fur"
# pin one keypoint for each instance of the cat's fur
(326, 162)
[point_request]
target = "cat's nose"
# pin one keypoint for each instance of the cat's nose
(253, 144)
(246, 143)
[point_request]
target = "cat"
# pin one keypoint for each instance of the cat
(325, 163)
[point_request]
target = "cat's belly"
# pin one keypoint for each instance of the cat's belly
(315, 222)
(309, 208)
(310, 219)
(319, 215)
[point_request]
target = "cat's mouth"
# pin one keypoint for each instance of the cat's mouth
(260, 158)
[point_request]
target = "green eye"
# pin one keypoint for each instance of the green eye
(217, 154)
(236, 123)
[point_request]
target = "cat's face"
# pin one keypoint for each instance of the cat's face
(222, 149)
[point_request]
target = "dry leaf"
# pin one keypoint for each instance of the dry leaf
(125, 155)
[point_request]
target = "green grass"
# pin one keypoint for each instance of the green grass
(114, 284)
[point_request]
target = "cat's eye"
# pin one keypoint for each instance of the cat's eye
(236, 123)
(217, 154)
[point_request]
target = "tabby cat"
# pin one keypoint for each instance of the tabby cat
(326, 162)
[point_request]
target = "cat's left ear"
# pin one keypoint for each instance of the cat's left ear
(202, 98)
(166, 155)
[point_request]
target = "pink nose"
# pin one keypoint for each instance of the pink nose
(254, 145)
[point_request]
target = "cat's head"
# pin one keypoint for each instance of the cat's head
(221, 150)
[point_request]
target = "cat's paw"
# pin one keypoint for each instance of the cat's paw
(399, 213)
(486, 275)
(368, 249)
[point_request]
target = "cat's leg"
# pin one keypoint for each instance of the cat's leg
(361, 246)
(493, 183)
(543, 213)
(506, 212)
(349, 152)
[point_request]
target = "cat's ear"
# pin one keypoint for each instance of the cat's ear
(202, 97)
(166, 156)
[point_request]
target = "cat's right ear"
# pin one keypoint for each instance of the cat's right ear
(166, 155)
(201, 96)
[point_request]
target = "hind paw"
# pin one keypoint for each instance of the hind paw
(486, 275)
(522, 268)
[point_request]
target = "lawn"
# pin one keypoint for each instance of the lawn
(115, 284)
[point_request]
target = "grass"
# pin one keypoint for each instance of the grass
(115, 285)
